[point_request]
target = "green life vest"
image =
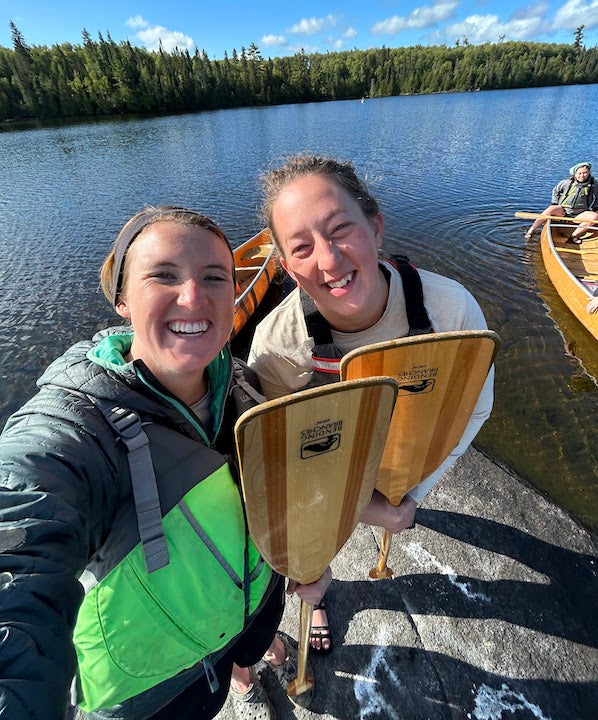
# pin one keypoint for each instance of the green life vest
(188, 588)
(577, 197)
(136, 629)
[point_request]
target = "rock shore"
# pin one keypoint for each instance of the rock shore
(492, 612)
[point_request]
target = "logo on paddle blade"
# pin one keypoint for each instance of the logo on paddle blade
(416, 380)
(410, 388)
(324, 437)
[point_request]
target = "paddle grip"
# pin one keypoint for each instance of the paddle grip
(383, 571)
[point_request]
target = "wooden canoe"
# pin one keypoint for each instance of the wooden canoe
(572, 269)
(255, 266)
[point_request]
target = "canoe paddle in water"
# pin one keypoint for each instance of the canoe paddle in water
(440, 377)
(308, 464)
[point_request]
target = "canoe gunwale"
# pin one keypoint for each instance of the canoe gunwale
(562, 264)
(263, 269)
(574, 294)
(248, 300)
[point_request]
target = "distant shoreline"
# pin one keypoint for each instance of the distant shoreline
(33, 123)
(104, 78)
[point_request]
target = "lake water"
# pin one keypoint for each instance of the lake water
(449, 171)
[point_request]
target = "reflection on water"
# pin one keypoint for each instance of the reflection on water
(449, 170)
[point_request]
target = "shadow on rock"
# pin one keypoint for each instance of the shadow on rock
(563, 606)
(397, 683)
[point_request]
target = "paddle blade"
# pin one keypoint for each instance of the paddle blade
(308, 465)
(440, 377)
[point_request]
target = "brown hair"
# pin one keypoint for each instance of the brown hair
(296, 166)
(113, 274)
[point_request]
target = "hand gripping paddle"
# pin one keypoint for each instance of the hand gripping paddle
(440, 377)
(308, 463)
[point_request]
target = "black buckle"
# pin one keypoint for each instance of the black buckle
(127, 423)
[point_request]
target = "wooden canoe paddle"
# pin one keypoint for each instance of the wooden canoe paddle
(440, 377)
(308, 464)
(556, 218)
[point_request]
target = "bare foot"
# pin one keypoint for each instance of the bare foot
(319, 636)
(240, 679)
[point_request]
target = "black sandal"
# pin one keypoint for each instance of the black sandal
(322, 633)
(575, 240)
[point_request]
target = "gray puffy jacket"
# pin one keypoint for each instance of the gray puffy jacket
(61, 484)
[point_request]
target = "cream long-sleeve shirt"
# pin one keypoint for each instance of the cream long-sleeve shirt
(281, 350)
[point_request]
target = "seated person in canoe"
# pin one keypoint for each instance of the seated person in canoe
(575, 196)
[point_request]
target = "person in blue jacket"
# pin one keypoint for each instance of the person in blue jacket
(575, 196)
(126, 572)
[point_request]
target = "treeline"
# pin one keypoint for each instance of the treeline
(104, 77)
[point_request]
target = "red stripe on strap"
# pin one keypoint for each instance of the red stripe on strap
(327, 365)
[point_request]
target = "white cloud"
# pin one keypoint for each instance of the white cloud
(421, 17)
(339, 42)
(152, 35)
(136, 22)
(530, 11)
(575, 13)
(522, 25)
(269, 40)
(311, 26)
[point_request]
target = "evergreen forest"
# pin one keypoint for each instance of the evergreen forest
(102, 77)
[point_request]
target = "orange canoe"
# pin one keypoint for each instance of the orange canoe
(572, 269)
(255, 266)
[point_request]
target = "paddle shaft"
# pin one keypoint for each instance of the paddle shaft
(382, 570)
(303, 682)
(539, 216)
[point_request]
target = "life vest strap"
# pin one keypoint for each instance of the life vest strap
(326, 365)
(127, 426)
(326, 356)
(417, 315)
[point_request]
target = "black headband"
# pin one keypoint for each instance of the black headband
(130, 232)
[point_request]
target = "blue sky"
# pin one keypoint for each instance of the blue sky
(280, 28)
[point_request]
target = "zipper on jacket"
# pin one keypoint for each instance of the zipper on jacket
(211, 676)
(186, 412)
(200, 532)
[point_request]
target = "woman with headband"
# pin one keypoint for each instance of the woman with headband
(575, 196)
(126, 566)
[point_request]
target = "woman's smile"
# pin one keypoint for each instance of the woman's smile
(190, 328)
(342, 282)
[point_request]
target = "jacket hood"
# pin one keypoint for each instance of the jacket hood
(97, 368)
(76, 371)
